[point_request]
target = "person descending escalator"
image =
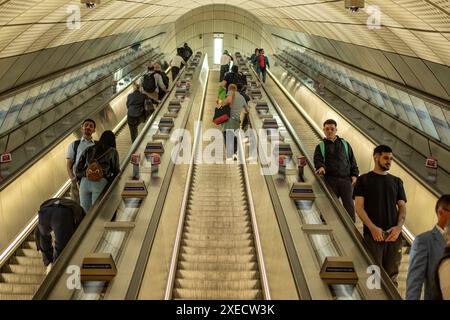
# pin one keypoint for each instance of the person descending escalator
(135, 110)
(74, 151)
(177, 64)
(334, 159)
(62, 217)
(98, 166)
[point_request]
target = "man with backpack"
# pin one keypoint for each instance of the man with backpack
(62, 216)
(155, 81)
(334, 159)
(73, 155)
(187, 52)
(236, 77)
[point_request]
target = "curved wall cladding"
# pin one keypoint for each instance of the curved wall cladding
(242, 31)
(21, 69)
(428, 77)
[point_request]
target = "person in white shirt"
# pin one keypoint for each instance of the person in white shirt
(176, 63)
(225, 62)
(73, 155)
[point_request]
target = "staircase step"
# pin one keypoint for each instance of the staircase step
(217, 251)
(18, 288)
(23, 269)
(218, 285)
(217, 275)
(217, 294)
(32, 253)
(222, 258)
(217, 224)
(221, 219)
(6, 296)
(218, 266)
(218, 237)
(27, 261)
(217, 244)
(21, 278)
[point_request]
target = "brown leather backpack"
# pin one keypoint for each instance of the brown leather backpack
(94, 171)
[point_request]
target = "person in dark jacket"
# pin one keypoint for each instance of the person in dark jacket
(105, 153)
(254, 58)
(236, 77)
(334, 159)
(443, 269)
(62, 216)
(426, 251)
(136, 110)
(187, 52)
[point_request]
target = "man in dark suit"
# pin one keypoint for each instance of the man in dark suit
(426, 251)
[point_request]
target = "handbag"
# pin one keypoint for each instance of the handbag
(222, 114)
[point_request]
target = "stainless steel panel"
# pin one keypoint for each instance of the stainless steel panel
(52, 64)
(39, 59)
(403, 69)
(5, 64)
(425, 76)
(68, 55)
(441, 73)
(15, 71)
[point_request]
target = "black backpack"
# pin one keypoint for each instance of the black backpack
(165, 79)
(149, 82)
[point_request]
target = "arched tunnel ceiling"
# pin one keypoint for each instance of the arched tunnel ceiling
(419, 28)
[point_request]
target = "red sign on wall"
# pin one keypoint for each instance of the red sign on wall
(431, 162)
(5, 157)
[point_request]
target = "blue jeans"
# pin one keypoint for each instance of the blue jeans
(263, 71)
(89, 192)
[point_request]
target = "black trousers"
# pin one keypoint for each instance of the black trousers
(229, 134)
(175, 71)
(62, 223)
(342, 187)
(224, 68)
(386, 254)
(161, 94)
(133, 124)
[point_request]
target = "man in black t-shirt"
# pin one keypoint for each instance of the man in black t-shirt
(380, 203)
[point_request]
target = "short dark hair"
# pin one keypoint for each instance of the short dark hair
(382, 148)
(261, 50)
(89, 120)
(234, 68)
(442, 202)
(330, 121)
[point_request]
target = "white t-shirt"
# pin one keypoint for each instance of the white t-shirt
(177, 61)
(225, 59)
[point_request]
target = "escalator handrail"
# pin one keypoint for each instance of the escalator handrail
(58, 267)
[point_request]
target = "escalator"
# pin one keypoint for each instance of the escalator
(22, 274)
(310, 137)
(217, 257)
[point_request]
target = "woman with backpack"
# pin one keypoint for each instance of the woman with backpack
(98, 165)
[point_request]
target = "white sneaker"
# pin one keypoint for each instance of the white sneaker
(48, 268)
(235, 157)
